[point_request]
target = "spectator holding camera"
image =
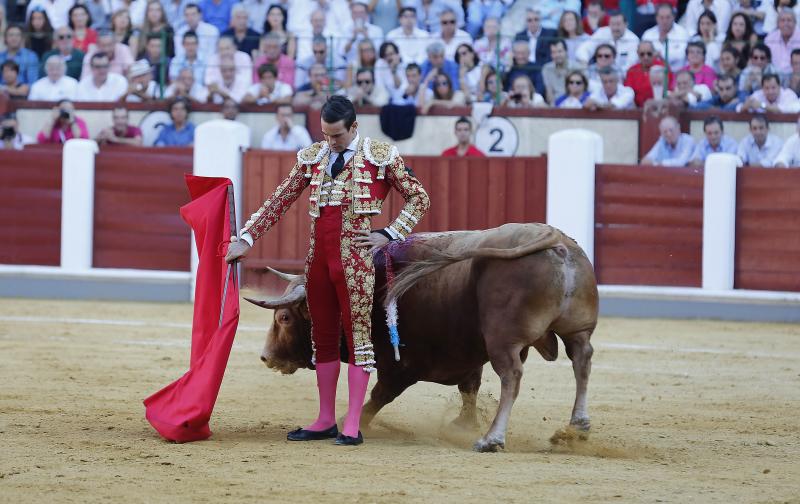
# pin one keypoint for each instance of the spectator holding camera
(62, 125)
(10, 137)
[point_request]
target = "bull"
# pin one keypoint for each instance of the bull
(465, 298)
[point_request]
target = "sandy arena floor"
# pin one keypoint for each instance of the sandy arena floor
(683, 411)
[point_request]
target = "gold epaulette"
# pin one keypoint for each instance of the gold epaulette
(312, 154)
(379, 153)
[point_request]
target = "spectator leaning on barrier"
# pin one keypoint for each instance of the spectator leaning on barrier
(120, 132)
(715, 141)
(101, 85)
(464, 147)
(10, 83)
(10, 137)
(789, 155)
(577, 87)
(673, 148)
(62, 47)
(784, 40)
(760, 147)
(449, 35)
(771, 98)
(62, 125)
(365, 92)
(726, 95)
(181, 132)
(555, 71)
(230, 110)
(687, 91)
(286, 136)
(612, 95)
(269, 89)
(26, 60)
(409, 94)
(55, 85)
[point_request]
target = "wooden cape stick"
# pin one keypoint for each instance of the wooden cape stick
(232, 220)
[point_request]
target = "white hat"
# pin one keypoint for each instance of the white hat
(139, 68)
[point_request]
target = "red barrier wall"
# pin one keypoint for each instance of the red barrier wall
(465, 194)
(767, 229)
(648, 225)
(138, 194)
(30, 206)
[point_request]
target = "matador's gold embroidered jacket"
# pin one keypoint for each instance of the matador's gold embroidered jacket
(360, 189)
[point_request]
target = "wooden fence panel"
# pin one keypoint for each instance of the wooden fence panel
(648, 225)
(137, 223)
(465, 194)
(767, 229)
(30, 206)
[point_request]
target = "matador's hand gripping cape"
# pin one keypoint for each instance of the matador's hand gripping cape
(360, 189)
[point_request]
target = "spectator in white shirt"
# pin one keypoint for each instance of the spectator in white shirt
(695, 8)
(667, 29)
(390, 69)
(269, 89)
(760, 147)
(207, 34)
(229, 85)
(450, 35)
(286, 136)
(410, 40)
(189, 59)
(611, 95)
(101, 85)
(226, 50)
(523, 95)
(617, 34)
(790, 152)
(771, 98)
(307, 37)
(55, 85)
(360, 29)
(185, 86)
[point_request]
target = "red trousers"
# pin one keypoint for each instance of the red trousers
(326, 289)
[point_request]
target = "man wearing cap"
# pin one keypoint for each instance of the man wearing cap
(350, 176)
(141, 86)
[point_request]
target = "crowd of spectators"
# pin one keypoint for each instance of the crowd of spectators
(737, 55)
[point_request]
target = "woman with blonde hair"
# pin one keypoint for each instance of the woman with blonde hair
(121, 27)
(155, 23)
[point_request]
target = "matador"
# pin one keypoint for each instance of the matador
(350, 177)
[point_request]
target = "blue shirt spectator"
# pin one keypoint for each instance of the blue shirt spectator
(181, 132)
(673, 148)
(551, 11)
(26, 59)
(760, 147)
(217, 12)
(437, 60)
(704, 148)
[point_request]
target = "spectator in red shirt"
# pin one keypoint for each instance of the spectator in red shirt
(596, 16)
(121, 132)
(464, 148)
(80, 21)
(63, 125)
(638, 77)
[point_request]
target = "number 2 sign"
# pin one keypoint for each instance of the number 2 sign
(497, 136)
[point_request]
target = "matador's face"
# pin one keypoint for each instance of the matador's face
(337, 135)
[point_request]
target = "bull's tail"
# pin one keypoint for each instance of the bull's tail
(439, 259)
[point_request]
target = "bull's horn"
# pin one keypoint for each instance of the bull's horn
(284, 276)
(292, 297)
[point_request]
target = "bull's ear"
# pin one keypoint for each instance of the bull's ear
(295, 295)
(303, 309)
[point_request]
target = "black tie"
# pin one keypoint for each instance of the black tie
(338, 165)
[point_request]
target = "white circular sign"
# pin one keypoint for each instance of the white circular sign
(151, 125)
(497, 136)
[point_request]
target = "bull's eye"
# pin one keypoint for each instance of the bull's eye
(283, 318)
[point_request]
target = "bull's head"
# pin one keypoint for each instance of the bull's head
(288, 345)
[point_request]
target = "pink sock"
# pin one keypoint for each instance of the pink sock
(327, 377)
(357, 381)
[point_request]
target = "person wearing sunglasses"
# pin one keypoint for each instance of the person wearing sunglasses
(613, 95)
(615, 34)
(604, 57)
(638, 76)
(523, 95)
(443, 92)
(62, 47)
(101, 85)
(577, 91)
(759, 64)
(365, 92)
(556, 70)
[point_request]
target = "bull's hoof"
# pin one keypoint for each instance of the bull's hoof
(484, 445)
(581, 424)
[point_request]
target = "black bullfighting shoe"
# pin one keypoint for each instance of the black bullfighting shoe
(343, 440)
(310, 435)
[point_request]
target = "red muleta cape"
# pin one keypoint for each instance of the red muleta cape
(181, 410)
